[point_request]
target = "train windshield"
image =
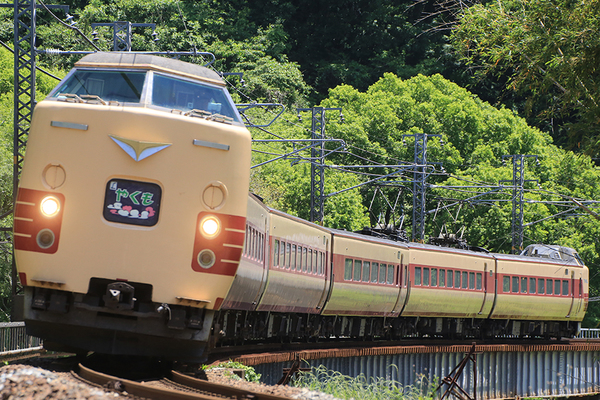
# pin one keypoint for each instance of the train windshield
(180, 94)
(122, 86)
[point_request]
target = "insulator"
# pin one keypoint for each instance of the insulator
(52, 52)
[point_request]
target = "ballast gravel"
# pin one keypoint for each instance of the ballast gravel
(26, 382)
(21, 381)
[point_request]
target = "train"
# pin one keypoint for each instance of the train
(135, 234)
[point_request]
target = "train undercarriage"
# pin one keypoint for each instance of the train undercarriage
(107, 320)
(237, 327)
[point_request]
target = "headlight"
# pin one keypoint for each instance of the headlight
(50, 206)
(210, 227)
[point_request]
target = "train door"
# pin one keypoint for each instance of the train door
(580, 294)
(576, 293)
(402, 285)
(328, 281)
(487, 283)
(493, 283)
(267, 261)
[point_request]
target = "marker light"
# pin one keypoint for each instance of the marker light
(50, 206)
(210, 227)
(206, 258)
(45, 238)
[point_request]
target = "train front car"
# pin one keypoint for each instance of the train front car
(130, 216)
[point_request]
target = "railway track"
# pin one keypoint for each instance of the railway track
(178, 387)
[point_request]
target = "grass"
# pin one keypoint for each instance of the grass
(249, 373)
(360, 388)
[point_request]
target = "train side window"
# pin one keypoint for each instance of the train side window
(282, 263)
(260, 246)
(479, 281)
(276, 253)
(548, 286)
(321, 263)
(506, 284)
(348, 269)
(317, 259)
(382, 272)
(472, 280)
(304, 261)
(357, 270)
(288, 253)
(465, 279)
(541, 286)
(523, 285)
(309, 260)
(390, 277)
(315, 263)
(417, 276)
(557, 287)
(532, 285)
(442, 278)
(457, 279)
(366, 272)
(425, 277)
(565, 288)
(374, 272)
(515, 284)
(450, 278)
(434, 276)
(249, 241)
(254, 245)
(293, 258)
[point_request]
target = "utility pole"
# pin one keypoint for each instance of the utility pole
(122, 32)
(317, 155)
(518, 180)
(419, 178)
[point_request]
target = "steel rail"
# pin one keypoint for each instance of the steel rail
(223, 389)
(156, 393)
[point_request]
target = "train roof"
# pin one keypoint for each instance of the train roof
(572, 259)
(147, 61)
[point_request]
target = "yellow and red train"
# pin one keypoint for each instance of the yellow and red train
(135, 234)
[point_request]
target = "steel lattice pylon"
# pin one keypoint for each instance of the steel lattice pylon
(419, 187)
(518, 197)
(24, 91)
(317, 156)
(122, 32)
(317, 184)
(517, 203)
(24, 80)
(418, 232)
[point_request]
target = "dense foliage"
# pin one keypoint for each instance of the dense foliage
(546, 51)
(391, 71)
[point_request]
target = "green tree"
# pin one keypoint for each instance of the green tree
(285, 184)
(548, 52)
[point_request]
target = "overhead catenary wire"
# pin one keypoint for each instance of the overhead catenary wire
(348, 153)
(36, 67)
(72, 27)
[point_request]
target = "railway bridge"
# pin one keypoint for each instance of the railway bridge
(482, 371)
